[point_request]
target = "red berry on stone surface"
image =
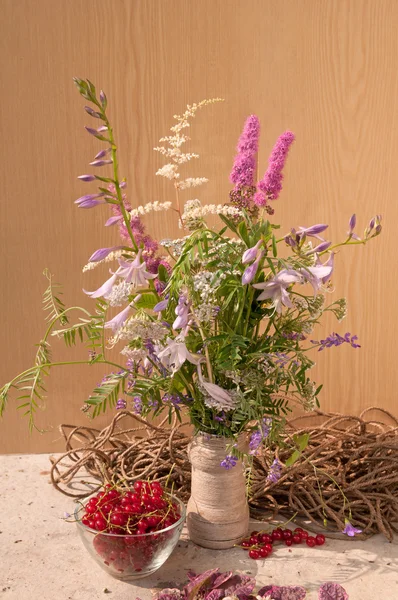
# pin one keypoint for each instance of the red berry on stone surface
(268, 548)
(287, 534)
(276, 535)
(320, 539)
(297, 539)
(254, 554)
(288, 542)
(254, 540)
(264, 538)
(263, 553)
(310, 541)
(245, 543)
(304, 535)
(254, 533)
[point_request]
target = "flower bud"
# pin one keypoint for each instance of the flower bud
(251, 253)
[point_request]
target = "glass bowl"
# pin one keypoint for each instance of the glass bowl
(130, 557)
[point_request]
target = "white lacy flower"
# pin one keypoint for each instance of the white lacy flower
(149, 207)
(135, 354)
(194, 212)
(140, 328)
(120, 293)
(169, 171)
(191, 182)
(218, 398)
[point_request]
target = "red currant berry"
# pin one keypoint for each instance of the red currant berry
(298, 530)
(254, 554)
(138, 486)
(254, 533)
(297, 539)
(287, 534)
(304, 535)
(310, 541)
(268, 548)
(245, 543)
(288, 542)
(254, 540)
(276, 535)
(320, 539)
(85, 521)
(263, 553)
(264, 538)
(100, 524)
(91, 524)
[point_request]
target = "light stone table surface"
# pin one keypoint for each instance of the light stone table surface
(42, 557)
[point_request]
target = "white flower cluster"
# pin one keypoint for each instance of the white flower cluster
(174, 246)
(205, 312)
(110, 258)
(194, 212)
(137, 327)
(134, 353)
(120, 293)
(190, 182)
(169, 171)
(149, 207)
(219, 403)
(202, 283)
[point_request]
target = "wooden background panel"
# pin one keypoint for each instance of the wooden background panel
(327, 69)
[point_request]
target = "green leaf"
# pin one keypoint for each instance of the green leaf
(147, 301)
(293, 458)
(301, 441)
(274, 248)
(162, 273)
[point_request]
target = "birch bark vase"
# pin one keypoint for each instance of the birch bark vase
(217, 511)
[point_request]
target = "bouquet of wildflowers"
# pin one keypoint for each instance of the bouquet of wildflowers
(218, 322)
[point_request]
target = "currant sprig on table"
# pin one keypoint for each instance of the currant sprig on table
(261, 544)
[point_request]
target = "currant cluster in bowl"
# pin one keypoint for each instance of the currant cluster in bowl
(131, 533)
(260, 545)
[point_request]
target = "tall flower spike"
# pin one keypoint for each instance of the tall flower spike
(243, 170)
(270, 186)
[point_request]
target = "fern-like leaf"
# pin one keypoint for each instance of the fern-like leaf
(51, 301)
(107, 393)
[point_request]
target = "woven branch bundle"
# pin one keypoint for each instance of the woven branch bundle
(347, 456)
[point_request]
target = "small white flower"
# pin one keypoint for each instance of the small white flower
(175, 354)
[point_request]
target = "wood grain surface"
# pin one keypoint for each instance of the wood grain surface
(327, 69)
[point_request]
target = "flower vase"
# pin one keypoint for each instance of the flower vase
(217, 511)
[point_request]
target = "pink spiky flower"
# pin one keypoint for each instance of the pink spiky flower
(270, 186)
(243, 171)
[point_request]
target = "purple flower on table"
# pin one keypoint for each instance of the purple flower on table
(275, 471)
(175, 353)
(182, 312)
(134, 272)
(243, 170)
(121, 404)
(350, 530)
(119, 320)
(105, 289)
(229, 462)
(336, 340)
(103, 253)
(89, 200)
(270, 186)
(275, 289)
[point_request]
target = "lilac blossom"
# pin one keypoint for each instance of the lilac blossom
(105, 289)
(229, 462)
(102, 153)
(317, 274)
(259, 435)
(275, 471)
(175, 354)
(312, 231)
(137, 405)
(251, 253)
(182, 312)
(351, 226)
(87, 177)
(275, 289)
(89, 200)
(243, 171)
(162, 305)
(101, 163)
(121, 404)
(270, 186)
(134, 272)
(350, 530)
(119, 320)
(251, 271)
(113, 220)
(102, 253)
(336, 340)
(320, 247)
